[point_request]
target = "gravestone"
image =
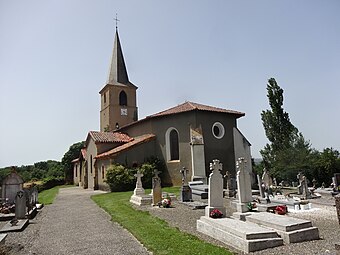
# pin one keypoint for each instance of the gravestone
(197, 156)
(337, 180)
(186, 193)
(138, 197)
(266, 179)
(20, 205)
(260, 186)
(11, 185)
(215, 195)
(243, 186)
(230, 189)
(156, 188)
(34, 195)
(300, 178)
(305, 191)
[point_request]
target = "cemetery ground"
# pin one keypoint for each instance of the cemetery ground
(160, 230)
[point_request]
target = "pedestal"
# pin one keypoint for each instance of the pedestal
(186, 194)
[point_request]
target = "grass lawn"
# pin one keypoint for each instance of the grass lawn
(47, 197)
(156, 235)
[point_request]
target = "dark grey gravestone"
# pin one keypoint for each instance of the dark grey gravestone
(337, 179)
(20, 205)
(186, 193)
(337, 205)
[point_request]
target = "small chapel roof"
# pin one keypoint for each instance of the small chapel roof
(137, 140)
(191, 106)
(109, 137)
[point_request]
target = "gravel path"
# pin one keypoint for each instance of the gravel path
(73, 224)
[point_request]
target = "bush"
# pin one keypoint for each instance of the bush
(50, 182)
(119, 178)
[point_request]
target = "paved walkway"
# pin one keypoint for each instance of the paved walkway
(74, 224)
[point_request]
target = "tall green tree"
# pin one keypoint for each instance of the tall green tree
(71, 154)
(287, 152)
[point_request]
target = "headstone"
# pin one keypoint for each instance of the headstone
(35, 195)
(197, 156)
(186, 193)
(305, 191)
(266, 179)
(215, 195)
(139, 191)
(275, 182)
(230, 189)
(243, 185)
(337, 180)
(20, 205)
(260, 186)
(300, 178)
(11, 185)
(156, 188)
(138, 197)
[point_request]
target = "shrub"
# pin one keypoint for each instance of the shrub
(50, 182)
(119, 178)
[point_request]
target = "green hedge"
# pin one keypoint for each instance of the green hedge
(50, 182)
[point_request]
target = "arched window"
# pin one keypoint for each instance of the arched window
(172, 144)
(122, 98)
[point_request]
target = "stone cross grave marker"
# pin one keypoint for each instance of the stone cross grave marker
(156, 188)
(215, 195)
(243, 185)
(139, 191)
(20, 205)
(300, 187)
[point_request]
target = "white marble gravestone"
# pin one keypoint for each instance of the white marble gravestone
(243, 185)
(215, 195)
(138, 197)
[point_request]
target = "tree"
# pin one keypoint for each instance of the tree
(66, 161)
(288, 152)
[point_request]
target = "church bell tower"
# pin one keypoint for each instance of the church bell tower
(118, 97)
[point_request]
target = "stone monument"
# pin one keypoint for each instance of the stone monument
(156, 188)
(261, 186)
(215, 195)
(11, 185)
(20, 205)
(185, 193)
(197, 156)
(243, 186)
(337, 205)
(266, 179)
(138, 197)
(300, 186)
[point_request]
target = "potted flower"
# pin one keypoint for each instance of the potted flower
(281, 209)
(216, 214)
(166, 203)
(251, 206)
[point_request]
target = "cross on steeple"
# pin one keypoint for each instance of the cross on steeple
(116, 19)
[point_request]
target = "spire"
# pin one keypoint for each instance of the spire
(117, 71)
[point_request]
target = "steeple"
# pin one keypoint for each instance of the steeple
(117, 71)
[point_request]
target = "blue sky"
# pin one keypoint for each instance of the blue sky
(54, 59)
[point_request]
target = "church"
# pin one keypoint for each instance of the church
(189, 135)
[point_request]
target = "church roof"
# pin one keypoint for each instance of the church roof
(137, 140)
(109, 137)
(190, 106)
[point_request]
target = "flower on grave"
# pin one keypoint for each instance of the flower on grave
(281, 209)
(251, 206)
(216, 214)
(166, 202)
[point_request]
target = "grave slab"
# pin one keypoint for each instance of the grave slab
(20, 226)
(141, 200)
(292, 230)
(245, 236)
(2, 238)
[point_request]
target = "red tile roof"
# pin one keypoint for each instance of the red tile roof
(190, 106)
(137, 140)
(109, 137)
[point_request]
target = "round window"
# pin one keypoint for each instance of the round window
(218, 130)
